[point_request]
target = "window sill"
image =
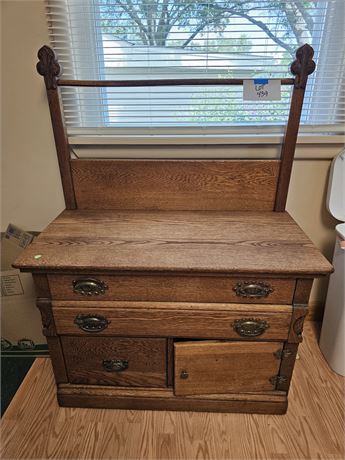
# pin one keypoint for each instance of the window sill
(199, 139)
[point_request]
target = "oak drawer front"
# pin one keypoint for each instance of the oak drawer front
(242, 322)
(159, 288)
(225, 367)
(115, 361)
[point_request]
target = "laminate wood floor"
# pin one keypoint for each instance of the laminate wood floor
(34, 427)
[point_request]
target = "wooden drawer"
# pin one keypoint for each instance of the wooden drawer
(115, 361)
(225, 367)
(173, 320)
(174, 288)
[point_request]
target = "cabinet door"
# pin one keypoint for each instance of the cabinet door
(211, 367)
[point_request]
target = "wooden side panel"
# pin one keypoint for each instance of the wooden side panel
(287, 365)
(57, 359)
(223, 367)
(41, 285)
(48, 324)
(297, 321)
(85, 356)
(302, 291)
(148, 322)
(176, 288)
(223, 185)
(48, 327)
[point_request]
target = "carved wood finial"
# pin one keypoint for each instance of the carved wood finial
(298, 323)
(48, 66)
(303, 65)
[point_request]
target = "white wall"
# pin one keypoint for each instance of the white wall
(32, 193)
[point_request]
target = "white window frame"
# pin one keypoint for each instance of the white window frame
(271, 134)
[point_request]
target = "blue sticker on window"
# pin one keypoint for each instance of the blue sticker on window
(261, 81)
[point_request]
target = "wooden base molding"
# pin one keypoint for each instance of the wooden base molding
(164, 399)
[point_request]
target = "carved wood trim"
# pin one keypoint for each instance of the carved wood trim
(296, 327)
(48, 324)
(53, 340)
(303, 66)
(48, 66)
(50, 69)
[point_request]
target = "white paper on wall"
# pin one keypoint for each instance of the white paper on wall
(261, 90)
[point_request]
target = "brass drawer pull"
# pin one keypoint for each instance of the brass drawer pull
(250, 327)
(115, 365)
(91, 323)
(252, 289)
(89, 286)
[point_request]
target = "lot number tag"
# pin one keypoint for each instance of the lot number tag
(261, 90)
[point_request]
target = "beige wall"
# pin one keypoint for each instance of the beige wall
(31, 187)
(306, 204)
(30, 177)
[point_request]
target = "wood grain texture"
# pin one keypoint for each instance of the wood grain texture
(266, 243)
(165, 393)
(287, 364)
(34, 426)
(49, 68)
(302, 291)
(49, 330)
(223, 185)
(146, 360)
(41, 285)
(224, 367)
(297, 320)
(164, 288)
(302, 67)
(57, 358)
(62, 147)
(175, 403)
(48, 325)
(214, 322)
(165, 82)
(170, 362)
(288, 148)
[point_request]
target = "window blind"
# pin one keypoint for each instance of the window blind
(150, 39)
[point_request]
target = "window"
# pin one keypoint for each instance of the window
(149, 39)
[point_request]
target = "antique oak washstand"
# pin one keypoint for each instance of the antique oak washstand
(173, 284)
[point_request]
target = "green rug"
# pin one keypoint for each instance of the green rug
(13, 371)
(15, 363)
